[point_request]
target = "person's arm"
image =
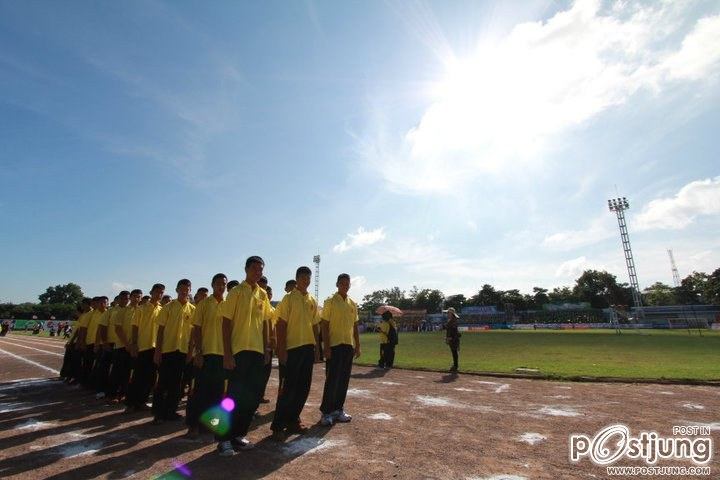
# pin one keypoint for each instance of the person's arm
(356, 337)
(191, 348)
(325, 327)
(102, 334)
(81, 337)
(228, 360)
(121, 335)
(158, 345)
(134, 341)
(318, 344)
(281, 339)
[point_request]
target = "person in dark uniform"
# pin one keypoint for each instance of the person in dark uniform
(452, 337)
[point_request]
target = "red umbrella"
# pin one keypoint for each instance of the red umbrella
(396, 312)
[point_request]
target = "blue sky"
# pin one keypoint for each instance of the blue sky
(440, 144)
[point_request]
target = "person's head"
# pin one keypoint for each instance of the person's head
(452, 315)
(290, 286)
(123, 298)
(200, 295)
(102, 303)
(387, 316)
(263, 282)
(343, 283)
(135, 297)
(165, 300)
(156, 292)
(232, 284)
(268, 289)
(302, 276)
(85, 304)
(145, 299)
(115, 301)
(183, 289)
(219, 283)
(254, 269)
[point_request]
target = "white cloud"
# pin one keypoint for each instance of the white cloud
(361, 238)
(599, 229)
(701, 197)
(118, 287)
(572, 269)
(501, 106)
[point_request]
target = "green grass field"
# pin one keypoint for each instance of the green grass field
(646, 354)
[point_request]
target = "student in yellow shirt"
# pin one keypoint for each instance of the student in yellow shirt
(120, 333)
(86, 345)
(388, 341)
(209, 372)
(103, 350)
(171, 353)
(268, 331)
(95, 342)
(73, 354)
(339, 324)
(200, 295)
(244, 346)
(297, 339)
(142, 349)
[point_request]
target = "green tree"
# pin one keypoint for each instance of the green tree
(601, 289)
(427, 299)
(562, 295)
(711, 291)
(540, 296)
(487, 296)
(70, 294)
(456, 301)
(692, 289)
(659, 294)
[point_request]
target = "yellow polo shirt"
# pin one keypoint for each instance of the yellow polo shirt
(82, 321)
(122, 318)
(176, 318)
(385, 329)
(247, 308)
(341, 315)
(92, 327)
(300, 312)
(145, 319)
(207, 317)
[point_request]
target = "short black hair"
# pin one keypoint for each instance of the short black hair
(343, 276)
(95, 299)
(136, 291)
(146, 297)
(183, 282)
(86, 301)
(290, 282)
(254, 259)
(165, 296)
(268, 289)
(117, 297)
(157, 286)
(124, 292)
(232, 284)
(387, 315)
(303, 271)
(202, 290)
(103, 298)
(263, 279)
(217, 276)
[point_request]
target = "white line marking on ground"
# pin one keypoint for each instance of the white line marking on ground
(3, 342)
(379, 416)
(38, 344)
(559, 411)
(39, 365)
(532, 438)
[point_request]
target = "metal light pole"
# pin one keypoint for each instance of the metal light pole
(316, 261)
(619, 205)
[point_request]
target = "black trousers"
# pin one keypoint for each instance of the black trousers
(187, 378)
(387, 355)
(67, 372)
(337, 378)
(142, 380)
(166, 396)
(244, 385)
(208, 389)
(101, 370)
(298, 378)
(454, 347)
(119, 373)
(88, 361)
(268, 372)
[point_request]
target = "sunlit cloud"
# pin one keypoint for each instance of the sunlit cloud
(701, 197)
(361, 238)
(503, 105)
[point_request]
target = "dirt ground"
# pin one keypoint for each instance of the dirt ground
(406, 424)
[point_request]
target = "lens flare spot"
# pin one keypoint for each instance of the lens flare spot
(228, 404)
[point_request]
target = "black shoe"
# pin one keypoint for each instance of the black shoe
(173, 417)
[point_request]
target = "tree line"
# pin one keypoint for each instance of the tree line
(599, 289)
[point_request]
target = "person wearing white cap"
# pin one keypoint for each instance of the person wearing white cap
(452, 337)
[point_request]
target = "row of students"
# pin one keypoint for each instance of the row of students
(223, 346)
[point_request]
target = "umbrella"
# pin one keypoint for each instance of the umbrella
(389, 308)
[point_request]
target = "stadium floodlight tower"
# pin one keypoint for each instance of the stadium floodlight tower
(619, 205)
(316, 261)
